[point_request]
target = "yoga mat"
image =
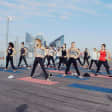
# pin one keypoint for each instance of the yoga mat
(91, 88)
(72, 77)
(33, 80)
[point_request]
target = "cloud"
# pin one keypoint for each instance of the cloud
(50, 8)
(109, 6)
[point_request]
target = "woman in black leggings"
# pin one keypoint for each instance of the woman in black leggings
(46, 55)
(78, 59)
(10, 53)
(73, 54)
(39, 56)
(86, 57)
(104, 55)
(51, 54)
(63, 58)
(23, 52)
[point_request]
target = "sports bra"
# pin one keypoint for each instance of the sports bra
(72, 52)
(40, 51)
(51, 52)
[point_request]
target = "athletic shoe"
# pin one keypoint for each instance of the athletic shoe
(11, 77)
(48, 79)
(75, 74)
(80, 77)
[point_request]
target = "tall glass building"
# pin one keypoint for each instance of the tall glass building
(58, 42)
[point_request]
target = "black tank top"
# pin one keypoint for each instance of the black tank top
(10, 51)
(85, 54)
(64, 52)
(22, 51)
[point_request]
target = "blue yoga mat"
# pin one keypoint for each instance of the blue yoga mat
(91, 88)
(101, 73)
(72, 77)
(22, 68)
(93, 71)
(10, 71)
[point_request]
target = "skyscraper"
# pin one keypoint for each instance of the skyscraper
(58, 42)
(28, 38)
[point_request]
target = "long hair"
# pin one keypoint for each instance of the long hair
(40, 43)
(11, 44)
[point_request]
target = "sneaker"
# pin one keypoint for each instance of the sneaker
(28, 68)
(47, 79)
(11, 77)
(80, 77)
(75, 74)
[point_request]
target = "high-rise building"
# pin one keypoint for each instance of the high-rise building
(58, 42)
(28, 38)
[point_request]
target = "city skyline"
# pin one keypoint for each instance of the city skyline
(87, 22)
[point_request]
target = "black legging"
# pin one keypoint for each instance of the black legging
(37, 61)
(46, 57)
(50, 58)
(78, 59)
(93, 61)
(62, 60)
(9, 59)
(86, 59)
(70, 61)
(105, 63)
(24, 59)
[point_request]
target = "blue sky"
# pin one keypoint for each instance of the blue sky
(87, 22)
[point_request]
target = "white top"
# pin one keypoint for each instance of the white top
(59, 53)
(51, 52)
(94, 55)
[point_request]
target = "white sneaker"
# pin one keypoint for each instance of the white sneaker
(74, 74)
(48, 79)
(80, 77)
(11, 77)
